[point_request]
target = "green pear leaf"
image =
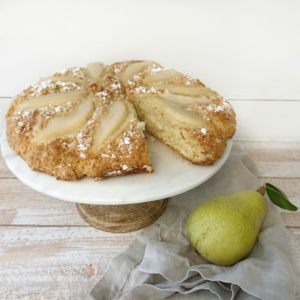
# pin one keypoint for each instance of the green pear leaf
(279, 198)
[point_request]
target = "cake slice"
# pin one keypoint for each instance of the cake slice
(179, 111)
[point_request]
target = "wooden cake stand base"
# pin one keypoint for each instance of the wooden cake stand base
(122, 218)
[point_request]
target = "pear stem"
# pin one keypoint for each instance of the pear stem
(262, 190)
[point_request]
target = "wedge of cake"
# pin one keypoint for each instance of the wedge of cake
(78, 123)
(178, 110)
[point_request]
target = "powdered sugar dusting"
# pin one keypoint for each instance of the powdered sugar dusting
(143, 90)
(218, 107)
(203, 131)
(103, 95)
(49, 86)
(51, 110)
(126, 140)
(155, 69)
(22, 119)
(113, 173)
(85, 136)
(115, 86)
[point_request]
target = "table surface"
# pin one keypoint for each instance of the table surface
(48, 252)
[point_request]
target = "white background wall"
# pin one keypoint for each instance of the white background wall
(249, 51)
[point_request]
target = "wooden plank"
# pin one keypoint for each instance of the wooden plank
(291, 219)
(22, 206)
(41, 290)
(63, 263)
(51, 246)
(274, 159)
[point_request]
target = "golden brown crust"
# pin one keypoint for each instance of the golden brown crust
(57, 159)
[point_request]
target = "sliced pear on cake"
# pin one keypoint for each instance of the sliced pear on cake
(95, 70)
(163, 75)
(66, 124)
(52, 99)
(110, 123)
(65, 78)
(174, 111)
(185, 100)
(185, 89)
(134, 69)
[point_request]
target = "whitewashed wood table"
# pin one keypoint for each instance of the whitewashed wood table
(48, 252)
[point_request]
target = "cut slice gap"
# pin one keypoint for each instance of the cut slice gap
(95, 70)
(52, 99)
(185, 90)
(185, 100)
(111, 122)
(66, 124)
(134, 69)
(163, 75)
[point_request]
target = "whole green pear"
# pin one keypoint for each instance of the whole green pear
(224, 229)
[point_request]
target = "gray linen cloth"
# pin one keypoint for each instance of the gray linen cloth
(160, 263)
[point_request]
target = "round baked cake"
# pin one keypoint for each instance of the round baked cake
(90, 121)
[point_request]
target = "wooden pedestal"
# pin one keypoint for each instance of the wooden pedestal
(122, 218)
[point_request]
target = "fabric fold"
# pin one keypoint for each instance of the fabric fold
(160, 263)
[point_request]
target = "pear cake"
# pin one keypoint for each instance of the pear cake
(90, 121)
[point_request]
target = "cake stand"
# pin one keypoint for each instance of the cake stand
(124, 203)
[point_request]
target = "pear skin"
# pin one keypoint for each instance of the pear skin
(224, 230)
